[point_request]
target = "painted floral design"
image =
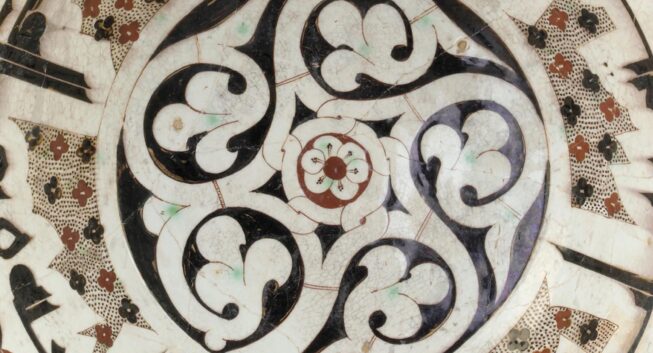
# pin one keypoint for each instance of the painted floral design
(104, 334)
(591, 81)
(124, 4)
(104, 28)
(613, 204)
(588, 20)
(589, 332)
(82, 193)
(582, 191)
(107, 279)
(34, 138)
(561, 66)
(608, 147)
(129, 32)
(70, 238)
(518, 340)
(570, 110)
(58, 147)
(77, 282)
(94, 231)
(91, 8)
(52, 190)
(610, 109)
(579, 148)
(86, 151)
(559, 19)
(563, 319)
(537, 37)
(334, 170)
(128, 310)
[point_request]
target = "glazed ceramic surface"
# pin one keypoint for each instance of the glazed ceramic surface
(341, 176)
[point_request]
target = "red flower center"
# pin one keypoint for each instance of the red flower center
(335, 168)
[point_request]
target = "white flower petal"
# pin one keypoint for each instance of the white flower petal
(317, 183)
(358, 171)
(344, 189)
(329, 145)
(350, 151)
(313, 161)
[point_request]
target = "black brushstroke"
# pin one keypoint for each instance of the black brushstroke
(20, 240)
(415, 254)
(392, 202)
(30, 301)
(328, 236)
(382, 128)
(4, 165)
(274, 187)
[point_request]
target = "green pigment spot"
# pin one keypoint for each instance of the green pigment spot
(424, 21)
(364, 49)
(213, 120)
(243, 28)
(171, 210)
(237, 273)
(393, 292)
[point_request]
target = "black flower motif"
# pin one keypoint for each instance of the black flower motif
(589, 332)
(570, 110)
(128, 310)
(77, 282)
(588, 20)
(52, 190)
(104, 28)
(34, 138)
(94, 231)
(591, 81)
(518, 340)
(608, 146)
(86, 151)
(582, 191)
(537, 37)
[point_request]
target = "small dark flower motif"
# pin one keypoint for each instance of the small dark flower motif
(70, 238)
(52, 190)
(58, 147)
(589, 332)
(582, 191)
(570, 110)
(82, 193)
(104, 28)
(610, 109)
(94, 231)
(34, 138)
(518, 340)
(612, 204)
(128, 310)
(591, 81)
(129, 32)
(107, 279)
(104, 334)
(563, 319)
(561, 66)
(537, 37)
(588, 20)
(579, 148)
(86, 151)
(608, 146)
(559, 19)
(77, 282)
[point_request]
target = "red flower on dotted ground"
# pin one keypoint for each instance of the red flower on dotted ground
(58, 146)
(563, 319)
(561, 66)
(125, 4)
(545, 350)
(107, 279)
(579, 148)
(129, 32)
(91, 8)
(559, 19)
(610, 109)
(70, 238)
(104, 333)
(612, 204)
(82, 193)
